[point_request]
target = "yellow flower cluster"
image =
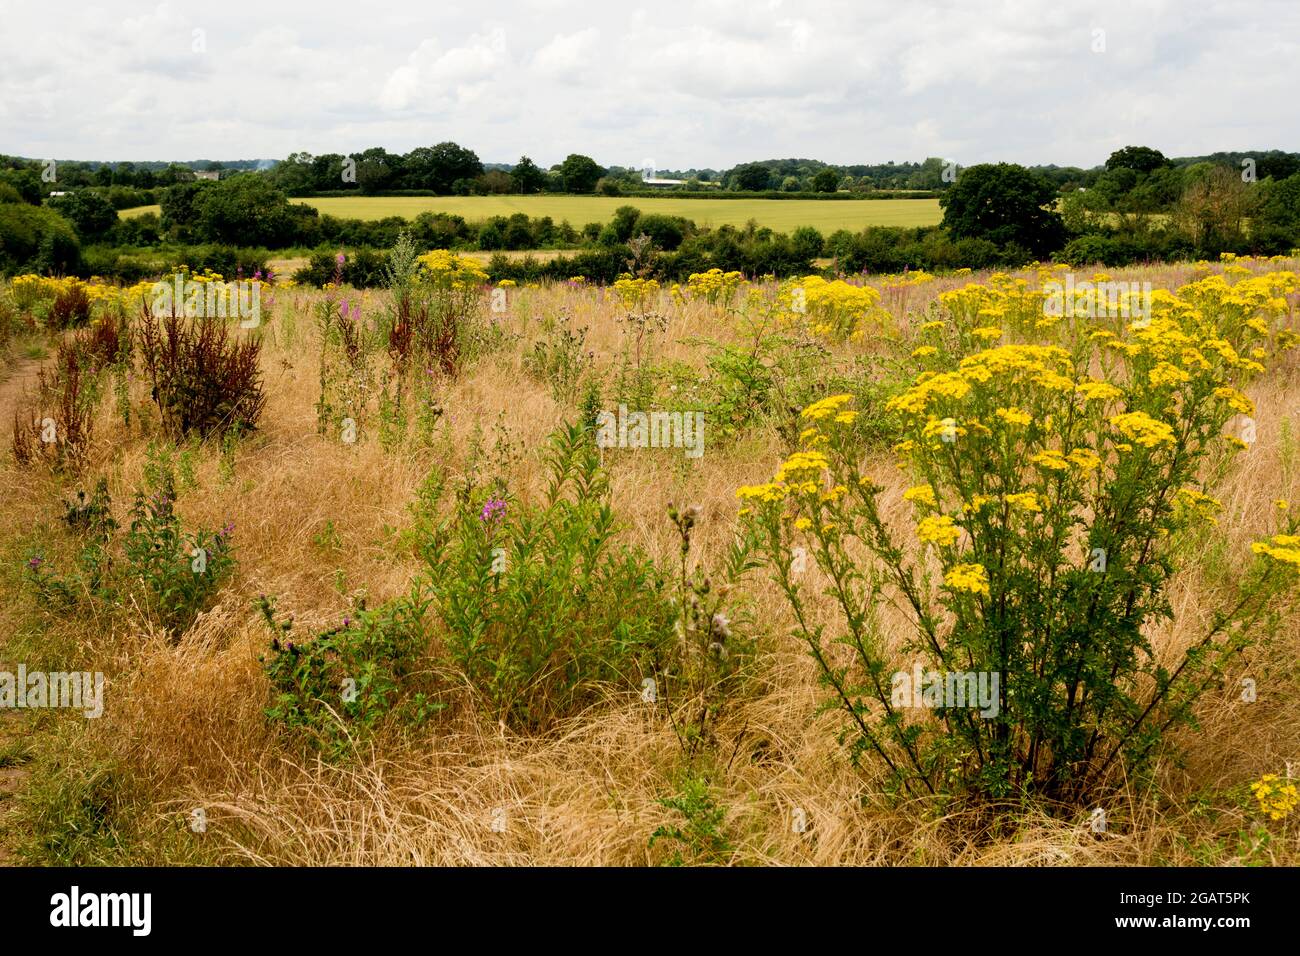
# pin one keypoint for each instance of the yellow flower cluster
(1143, 429)
(772, 492)
(1276, 797)
(635, 293)
(938, 529)
(971, 578)
(714, 286)
(908, 279)
(826, 408)
(836, 307)
(1282, 548)
(1025, 501)
(802, 465)
(30, 289)
(1199, 502)
(445, 268)
(924, 494)
(1235, 400)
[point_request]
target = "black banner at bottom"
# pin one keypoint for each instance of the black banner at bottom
(336, 906)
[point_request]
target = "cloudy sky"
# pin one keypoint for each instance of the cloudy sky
(684, 83)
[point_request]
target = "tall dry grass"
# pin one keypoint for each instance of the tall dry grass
(184, 728)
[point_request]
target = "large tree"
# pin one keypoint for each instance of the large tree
(244, 210)
(90, 213)
(581, 173)
(437, 167)
(527, 176)
(826, 181)
(1140, 159)
(752, 177)
(1004, 203)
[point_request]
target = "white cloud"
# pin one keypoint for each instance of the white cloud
(567, 55)
(689, 82)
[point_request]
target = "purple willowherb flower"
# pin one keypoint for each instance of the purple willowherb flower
(493, 508)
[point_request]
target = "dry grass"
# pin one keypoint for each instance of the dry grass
(184, 729)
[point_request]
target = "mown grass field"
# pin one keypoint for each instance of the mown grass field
(324, 525)
(783, 215)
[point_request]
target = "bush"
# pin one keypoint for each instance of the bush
(339, 686)
(90, 213)
(245, 209)
(1050, 509)
(362, 268)
(55, 425)
(36, 239)
(203, 382)
(538, 608)
(71, 307)
(181, 571)
(167, 573)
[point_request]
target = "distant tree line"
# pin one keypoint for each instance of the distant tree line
(1140, 207)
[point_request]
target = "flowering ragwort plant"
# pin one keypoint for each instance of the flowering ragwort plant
(1055, 465)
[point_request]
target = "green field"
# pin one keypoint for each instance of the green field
(783, 215)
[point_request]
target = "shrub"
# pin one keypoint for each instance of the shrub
(181, 571)
(55, 425)
(362, 269)
(158, 567)
(538, 608)
(36, 238)
(701, 837)
(447, 294)
(71, 307)
(1050, 505)
(560, 358)
(348, 347)
(203, 382)
(342, 684)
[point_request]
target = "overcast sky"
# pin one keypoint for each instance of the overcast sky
(703, 83)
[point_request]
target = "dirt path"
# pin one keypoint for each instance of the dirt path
(19, 378)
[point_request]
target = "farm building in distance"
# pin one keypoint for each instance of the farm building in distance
(648, 178)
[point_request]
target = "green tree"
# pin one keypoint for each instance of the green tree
(1140, 159)
(90, 213)
(377, 170)
(438, 167)
(807, 242)
(36, 238)
(245, 210)
(179, 217)
(1213, 209)
(1004, 203)
(826, 181)
(751, 177)
(527, 177)
(27, 182)
(581, 173)
(1278, 221)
